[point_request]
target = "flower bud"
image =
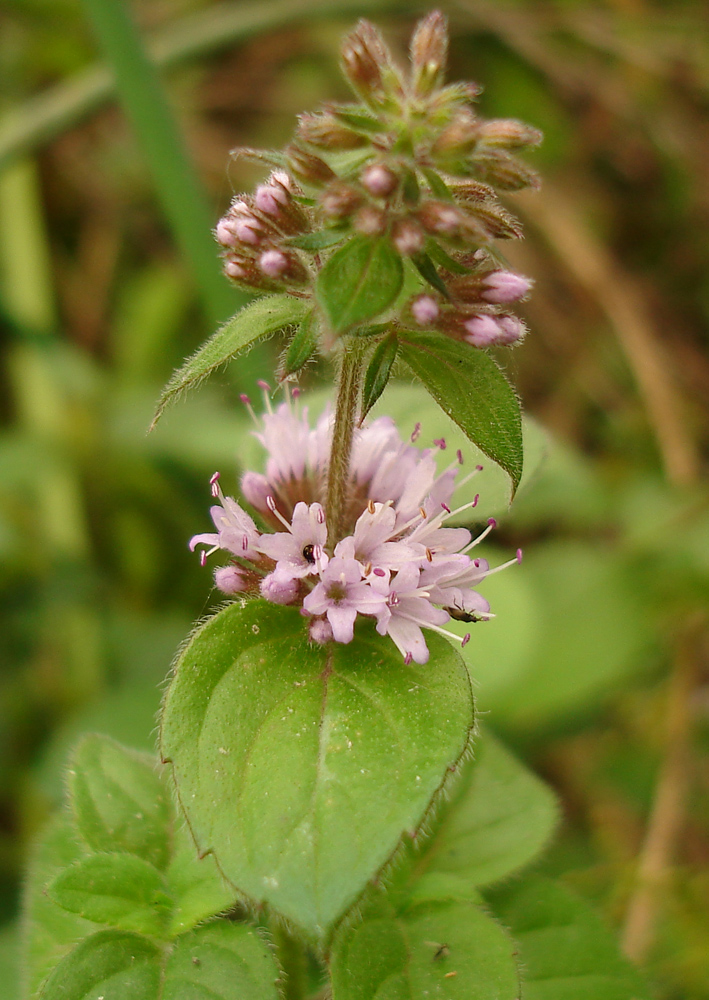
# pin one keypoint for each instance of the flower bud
(326, 131)
(370, 221)
(320, 631)
(500, 287)
(425, 310)
(279, 589)
(282, 266)
(506, 133)
(513, 329)
(429, 49)
(504, 171)
(458, 137)
(379, 179)
(255, 488)
(440, 217)
(224, 233)
(482, 331)
(408, 237)
(340, 199)
(229, 580)
(366, 63)
(307, 167)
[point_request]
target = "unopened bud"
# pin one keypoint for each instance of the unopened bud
(505, 172)
(507, 133)
(255, 488)
(408, 237)
(458, 137)
(429, 49)
(482, 331)
(229, 580)
(365, 58)
(307, 167)
(279, 589)
(425, 310)
(270, 198)
(340, 199)
(224, 233)
(370, 221)
(440, 217)
(500, 287)
(282, 266)
(320, 631)
(326, 131)
(513, 329)
(379, 180)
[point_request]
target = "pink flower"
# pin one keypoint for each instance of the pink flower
(299, 551)
(341, 595)
(409, 609)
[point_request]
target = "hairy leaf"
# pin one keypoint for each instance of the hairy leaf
(119, 801)
(447, 948)
(112, 964)
(296, 765)
(302, 346)
(257, 319)
(117, 889)
(378, 372)
(49, 932)
(469, 386)
(499, 817)
(359, 281)
(566, 952)
(199, 889)
(221, 961)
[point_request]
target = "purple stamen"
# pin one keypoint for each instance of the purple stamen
(459, 455)
(408, 658)
(271, 503)
(379, 572)
(263, 385)
(519, 555)
(440, 443)
(245, 542)
(245, 399)
(203, 558)
(320, 516)
(445, 507)
(491, 522)
(476, 563)
(465, 640)
(479, 468)
(475, 500)
(416, 433)
(214, 479)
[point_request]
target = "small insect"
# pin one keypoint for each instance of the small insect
(461, 615)
(443, 951)
(309, 553)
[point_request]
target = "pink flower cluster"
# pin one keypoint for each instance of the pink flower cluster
(398, 562)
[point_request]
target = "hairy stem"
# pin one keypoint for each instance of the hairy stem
(346, 411)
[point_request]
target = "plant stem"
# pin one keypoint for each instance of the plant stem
(346, 411)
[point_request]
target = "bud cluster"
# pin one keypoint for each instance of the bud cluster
(476, 310)
(411, 162)
(254, 236)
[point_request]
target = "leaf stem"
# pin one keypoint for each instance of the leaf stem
(346, 411)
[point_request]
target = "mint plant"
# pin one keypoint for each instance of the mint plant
(324, 822)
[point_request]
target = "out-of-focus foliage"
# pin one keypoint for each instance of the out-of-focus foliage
(97, 306)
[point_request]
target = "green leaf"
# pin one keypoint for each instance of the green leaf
(378, 372)
(9, 961)
(49, 932)
(437, 184)
(469, 386)
(359, 281)
(566, 951)
(196, 884)
(117, 889)
(221, 961)
(297, 765)
(119, 801)
(427, 269)
(112, 965)
(448, 949)
(320, 240)
(302, 346)
(499, 817)
(440, 257)
(258, 319)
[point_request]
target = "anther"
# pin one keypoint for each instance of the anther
(245, 399)
(459, 456)
(203, 558)
(379, 571)
(519, 555)
(271, 503)
(263, 385)
(465, 640)
(320, 515)
(492, 523)
(416, 433)
(408, 658)
(445, 507)
(423, 513)
(368, 569)
(475, 499)
(440, 443)
(214, 479)
(370, 506)
(479, 468)
(429, 555)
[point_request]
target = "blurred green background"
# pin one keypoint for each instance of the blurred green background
(116, 122)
